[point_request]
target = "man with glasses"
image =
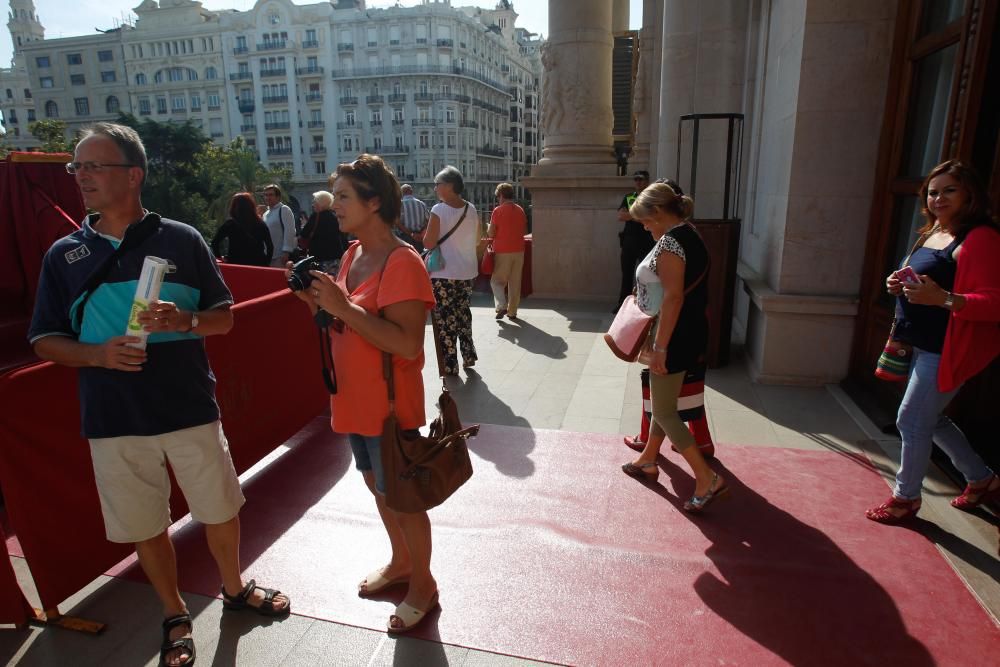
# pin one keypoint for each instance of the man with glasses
(142, 406)
(634, 240)
(280, 223)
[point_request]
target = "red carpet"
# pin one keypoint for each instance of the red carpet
(551, 553)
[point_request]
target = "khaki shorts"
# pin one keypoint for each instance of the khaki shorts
(134, 487)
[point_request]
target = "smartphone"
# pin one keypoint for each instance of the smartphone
(907, 276)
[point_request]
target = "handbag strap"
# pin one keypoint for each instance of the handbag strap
(387, 374)
(455, 228)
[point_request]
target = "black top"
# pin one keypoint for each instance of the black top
(326, 242)
(689, 342)
(249, 243)
(925, 326)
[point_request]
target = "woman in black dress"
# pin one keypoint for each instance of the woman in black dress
(249, 240)
(321, 234)
(671, 286)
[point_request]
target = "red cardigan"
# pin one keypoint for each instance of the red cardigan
(972, 340)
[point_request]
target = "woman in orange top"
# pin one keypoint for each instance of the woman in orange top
(507, 227)
(379, 271)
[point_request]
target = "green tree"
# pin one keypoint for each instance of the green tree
(226, 170)
(52, 135)
(172, 187)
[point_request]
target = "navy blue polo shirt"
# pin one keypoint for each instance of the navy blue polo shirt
(176, 387)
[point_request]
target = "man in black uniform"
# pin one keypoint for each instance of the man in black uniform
(634, 240)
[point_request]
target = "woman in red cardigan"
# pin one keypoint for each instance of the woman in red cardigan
(950, 314)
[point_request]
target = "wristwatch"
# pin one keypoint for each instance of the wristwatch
(194, 322)
(949, 300)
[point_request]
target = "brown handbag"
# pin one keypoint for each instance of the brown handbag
(421, 472)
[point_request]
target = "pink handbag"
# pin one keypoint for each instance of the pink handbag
(629, 331)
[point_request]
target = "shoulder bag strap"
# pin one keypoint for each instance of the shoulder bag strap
(390, 383)
(140, 231)
(455, 228)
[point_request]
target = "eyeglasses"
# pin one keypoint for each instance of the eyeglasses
(92, 167)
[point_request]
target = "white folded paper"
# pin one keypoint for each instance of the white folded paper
(148, 289)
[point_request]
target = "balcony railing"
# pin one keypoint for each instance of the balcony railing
(423, 97)
(376, 123)
(375, 99)
(312, 70)
(248, 128)
(396, 122)
(386, 70)
(423, 122)
(275, 99)
(314, 97)
(446, 43)
(398, 97)
(285, 125)
(394, 150)
(271, 45)
(317, 150)
(278, 151)
(310, 44)
(240, 50)
(492, 151)
(245, 106)
(273, 72)
(345, 47)
(468, 123)
(316, 123)
(241, 76)
(348, 101)
(348, 126)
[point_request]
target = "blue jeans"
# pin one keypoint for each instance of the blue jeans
(367, 451)
(921, 425)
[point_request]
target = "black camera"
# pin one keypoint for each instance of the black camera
(300, 278)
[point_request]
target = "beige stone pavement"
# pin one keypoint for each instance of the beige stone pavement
(549, 370)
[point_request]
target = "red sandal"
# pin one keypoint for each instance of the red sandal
(976, 495)
(881, 514)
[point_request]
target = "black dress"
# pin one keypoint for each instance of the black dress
(249, 243)
(326, 242)
(689, 341)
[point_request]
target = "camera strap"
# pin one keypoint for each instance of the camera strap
(326, 354)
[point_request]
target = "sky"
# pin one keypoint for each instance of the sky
(61, 18)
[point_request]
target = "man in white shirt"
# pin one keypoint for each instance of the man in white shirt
(280, 223)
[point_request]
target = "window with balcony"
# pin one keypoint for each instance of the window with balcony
(195, 102)
(425, 140)
(178, 103)
(144, 106)
(161, 105)
(31, 115)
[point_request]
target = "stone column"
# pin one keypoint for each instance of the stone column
(574, 188)
(646, 100)
(576, 89)
(619, 16)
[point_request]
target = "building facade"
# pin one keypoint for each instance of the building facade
(307, 86)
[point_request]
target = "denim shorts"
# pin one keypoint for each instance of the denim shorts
(367, 451)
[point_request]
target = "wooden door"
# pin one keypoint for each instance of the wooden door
(939, 106)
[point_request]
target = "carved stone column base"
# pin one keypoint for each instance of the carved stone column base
(575, 230)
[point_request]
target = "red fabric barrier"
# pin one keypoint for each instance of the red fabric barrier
(269, 386)
(14, 607)
(39, 203)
